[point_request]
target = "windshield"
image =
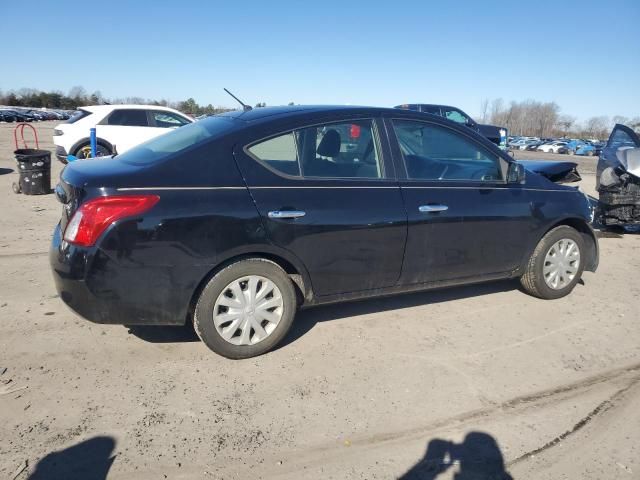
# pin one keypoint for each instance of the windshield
(160, 148)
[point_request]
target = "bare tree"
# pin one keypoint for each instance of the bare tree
(484, 110)
(596, 127)
(565, 123)
(77, 92)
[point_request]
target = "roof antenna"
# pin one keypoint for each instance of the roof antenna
(246, 108)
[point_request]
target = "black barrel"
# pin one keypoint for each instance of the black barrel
(35, 170)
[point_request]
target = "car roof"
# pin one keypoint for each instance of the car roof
(108, 108)
(407, 105)
(270, 113)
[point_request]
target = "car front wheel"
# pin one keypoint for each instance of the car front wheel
(246, 309)
(556, 265)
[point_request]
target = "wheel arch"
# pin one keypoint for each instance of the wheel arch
(588, 236)
(292, 267)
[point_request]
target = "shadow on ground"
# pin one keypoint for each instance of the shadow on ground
(306, 319)
(164, 334)
(5, 171)
(478, 457)
(88, 460)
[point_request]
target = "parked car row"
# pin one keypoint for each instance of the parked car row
(31, 115)
(567, 146)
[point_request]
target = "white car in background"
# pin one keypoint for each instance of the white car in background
(118, 128)
(552, 147)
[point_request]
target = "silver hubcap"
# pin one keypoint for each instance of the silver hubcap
(248, 310)
(561, 264)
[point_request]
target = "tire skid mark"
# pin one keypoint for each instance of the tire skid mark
(318, 454)
(26, 254)
(527, 341)
(511, 406)
(600, 409)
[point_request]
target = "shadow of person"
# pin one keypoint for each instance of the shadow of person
(89, 460)
(478, 457)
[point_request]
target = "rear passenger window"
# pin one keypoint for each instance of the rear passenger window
(334, 150)
(432, 152)
(279, 153)
(340, 150)
(128, 118)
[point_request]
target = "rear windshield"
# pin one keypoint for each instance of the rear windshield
(180, 139)
(78, 115)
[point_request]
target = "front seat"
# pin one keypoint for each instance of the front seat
(329, 147)
(330, 144)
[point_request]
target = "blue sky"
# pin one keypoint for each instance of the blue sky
(584, 55)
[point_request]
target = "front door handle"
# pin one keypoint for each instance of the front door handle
(433, 208)
(286, 214)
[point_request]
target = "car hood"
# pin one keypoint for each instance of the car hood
(629, 158)
(557, 172)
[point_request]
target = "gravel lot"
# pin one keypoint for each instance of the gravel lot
(403, 387)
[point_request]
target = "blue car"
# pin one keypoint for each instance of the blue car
(578, 148)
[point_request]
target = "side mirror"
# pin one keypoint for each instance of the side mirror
(516, 173)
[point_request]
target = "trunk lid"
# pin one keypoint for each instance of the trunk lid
(82, 180)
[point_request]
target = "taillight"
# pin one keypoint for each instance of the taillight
(94, 216)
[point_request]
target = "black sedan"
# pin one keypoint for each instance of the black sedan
(235, 221)
(19, 116)
(7, 116)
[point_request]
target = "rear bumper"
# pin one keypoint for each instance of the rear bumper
(101, 290)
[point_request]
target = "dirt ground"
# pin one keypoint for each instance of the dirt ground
(477, 381)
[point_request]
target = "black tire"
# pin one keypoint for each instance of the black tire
(204, 311)
(533, 279)
(16, 187)
(101, 150)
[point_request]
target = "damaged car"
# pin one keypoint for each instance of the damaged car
(618, 178)
(557, 172)
(289, 207)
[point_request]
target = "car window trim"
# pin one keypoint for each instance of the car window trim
(377, 140)
(503, 162)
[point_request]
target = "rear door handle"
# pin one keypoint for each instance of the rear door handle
(433, 208)
(286, 214)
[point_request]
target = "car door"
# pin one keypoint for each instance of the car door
(464, 220)
(327, 193)
(125, 128)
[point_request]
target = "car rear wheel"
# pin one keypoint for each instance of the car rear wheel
(246, 309)
(556, 265)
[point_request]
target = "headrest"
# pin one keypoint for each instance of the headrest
(330, 144)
